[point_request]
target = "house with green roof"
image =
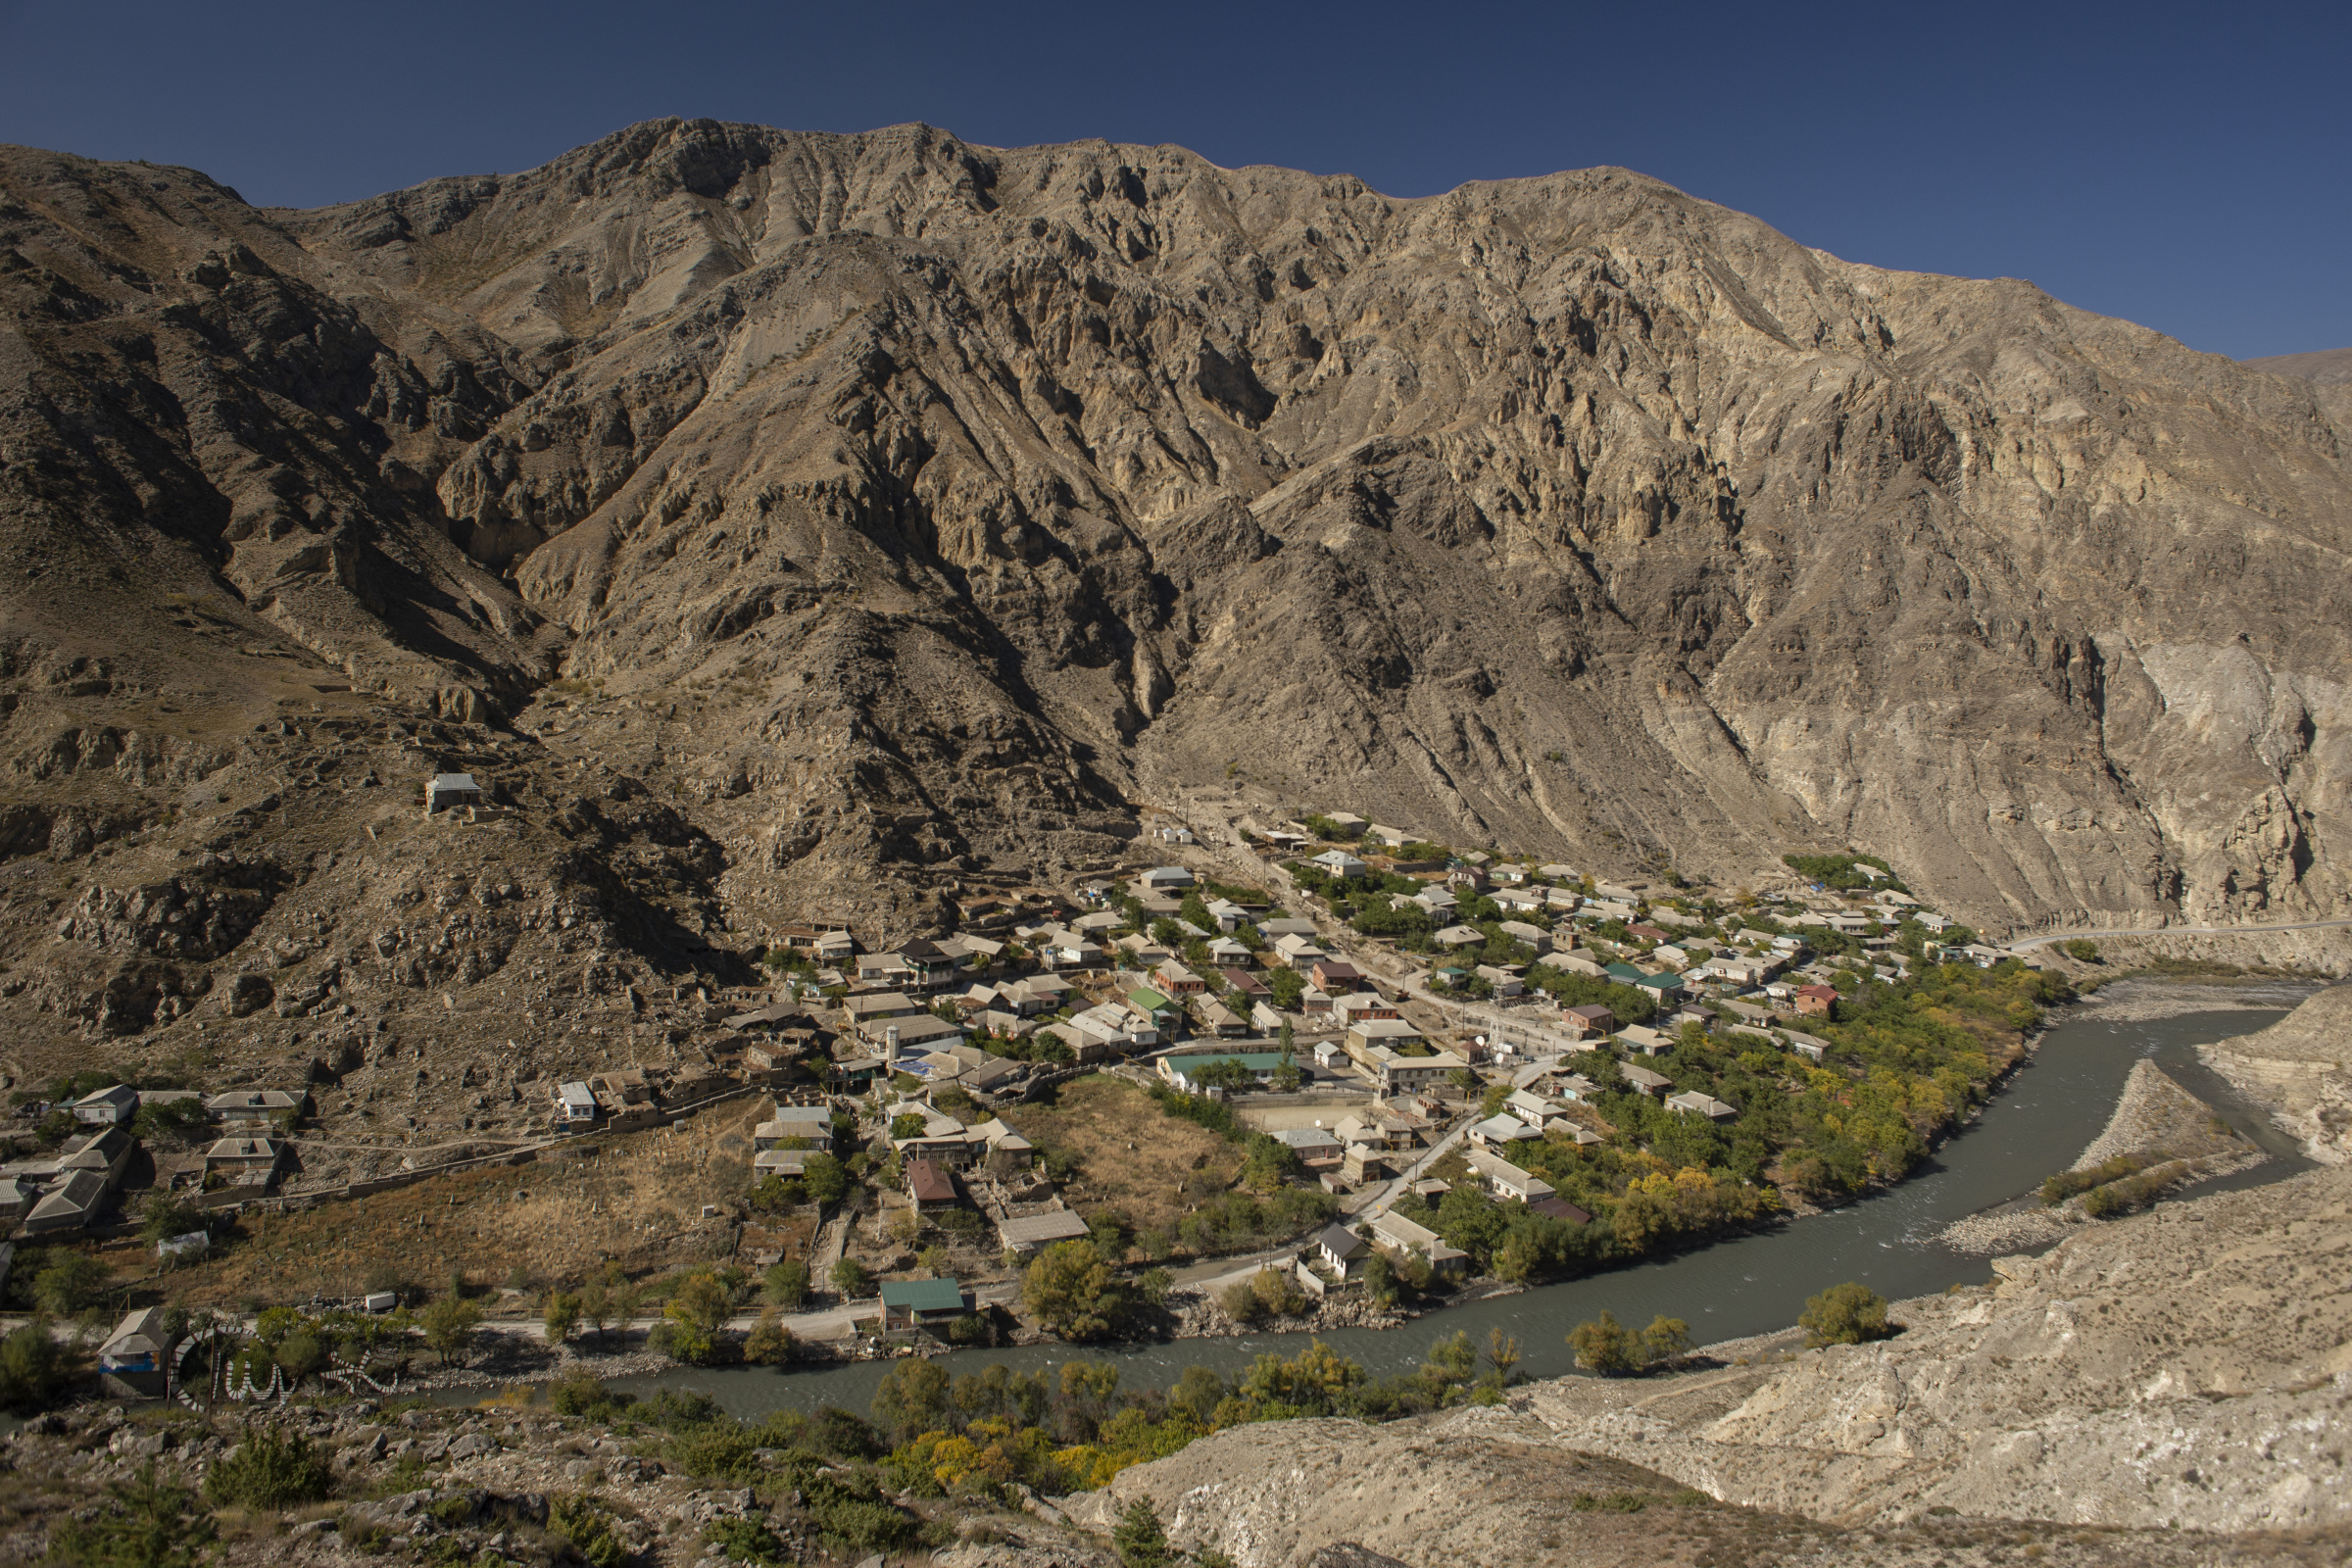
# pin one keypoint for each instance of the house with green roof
(1163, 1013)
(911, 1303)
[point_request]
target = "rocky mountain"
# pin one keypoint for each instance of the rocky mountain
(794, 525)
(2327, 367)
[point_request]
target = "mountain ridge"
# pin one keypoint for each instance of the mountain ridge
(979, 493)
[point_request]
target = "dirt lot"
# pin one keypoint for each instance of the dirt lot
(637, 1199)
(1149, 1166)
(1282, 1119)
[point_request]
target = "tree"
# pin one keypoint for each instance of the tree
(1071, 1291)
(691, 1322)
(1846, 1314)
(907, 1124)
(2081, 950)
(914, 1396)
(33, 1365)
(148, 1523)
(69, 1283)
(562, 1315)
(769, 1343)
(826, 1181)
(1502, 1353)
(167, 1217)
(1286, 1071)
(596, 1306)
(1140, 1541)
(449, 1328)
(1612, 1349)
(1380, 1280)
(787, 1284)
(933, 1261)
(850, 1279)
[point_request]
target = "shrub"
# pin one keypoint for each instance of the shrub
(273, 1468)
(746, 1540)
(787, 1285)
(145, 1524)
(70, 1282)
(1846, 1314)
(562, 1315)
(1611, 1349)
(1241, 1302)
(852, 1278)
(586, 1398)
(1139, 1538)
(2081, 950)
(769, 1344)
(589, 1528)
(449, 1327)
(33, 1369)
(1279, 1292)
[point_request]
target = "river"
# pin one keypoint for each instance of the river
(2049, 1111)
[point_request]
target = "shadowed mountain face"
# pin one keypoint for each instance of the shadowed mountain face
(918, 506)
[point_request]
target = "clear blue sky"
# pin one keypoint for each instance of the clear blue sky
(2188, 168)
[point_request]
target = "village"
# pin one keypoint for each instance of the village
(1384, 1019)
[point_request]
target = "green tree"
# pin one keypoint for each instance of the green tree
(2081, 950)
(147, 1523)
(827, 1182)
(769, 1344)
(914, 1396)
(1071, 1290)
(1612, 1349)
(165, 1216)
(787, 1284)
(562, 1317)
(852, 1278)
(1139, 1540)
(449, 1328)
(70, 1282)
(33, 1365)
(1380, 1280)
(907, 1124)
(271, 1468)
(1846, 1314)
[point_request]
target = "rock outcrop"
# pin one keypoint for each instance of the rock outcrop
(2300, 1068)
(2186, 1368)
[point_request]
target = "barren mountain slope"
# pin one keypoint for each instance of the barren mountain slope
(894, 507)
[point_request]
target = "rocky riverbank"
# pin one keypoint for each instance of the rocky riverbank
(2301, 1068)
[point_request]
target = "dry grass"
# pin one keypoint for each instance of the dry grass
(1149, 1166)
(636, 1198)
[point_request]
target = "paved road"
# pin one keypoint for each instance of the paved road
(2028, 943)
(1404, 1183)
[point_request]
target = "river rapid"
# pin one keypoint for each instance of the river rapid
(2048, 1111)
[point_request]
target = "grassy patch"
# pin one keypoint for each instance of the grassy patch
(1151, 1167)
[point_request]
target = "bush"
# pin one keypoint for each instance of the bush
(1241, 1302)
(2081, 950)
(586, 1398)
(769, 1343)
(1073, 1291)
(273, 1468)
(1279, 1292)
(586, 1524)
(449, 1327)
(1139, 1537)
(787, 1285)
(146, 1524)
(34, 1368)
(562, 1315)
(69, 1283)
(746, 1540)
(1612, 1349)
(852, 1278)
(1846, 1314)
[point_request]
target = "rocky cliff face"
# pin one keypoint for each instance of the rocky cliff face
(2300, 1069)
(898, 506)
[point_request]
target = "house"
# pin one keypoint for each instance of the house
(1810, 1047)
(1141, 951)
(1375, 1130)
(1341, 1250)
(1560, 1209)
(922, 1304)
(1348, 824)
(140, 1343)
(911, 1035)
(1221, 1021)
(1115, 1028)
(1162, 1011)
(1400, 1074)
(1336, 976)
(877, 1005)
(1935, 922)
(834, 947)
(254, 1109)
(1246, 984)
(1361, 1163)
(931, 1188)
(1228, 914)
(1506, 1180)
(1340, 864)
(1815, 1001)
(1363, 1034)
(1461, 936)
(1694, 1103)
(1520, 901)
(1532, 1108)
(1165, 879)
(1641, 1081)
(1587, 1020)
(1648, 1042)
(1667, 988)
(927, 966)
(1394, 838)
(811, 1125)
(1394, 1231)
(1359, 1005)
(1435, 900)
(1310, 1144)
(1296, 952)
(1264, 1018)
(1027, 1236)
(1178, 981)
(1533, 937)
(450, 789)
(1174, 834)
(575, 1106)
(1497, 1132)
(70, 1203)
(1501, 982)
(244, 1158)
(18, 1195)
(104, 1107)
(1286, 925)
(1226, 950)
(1185, 1072)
